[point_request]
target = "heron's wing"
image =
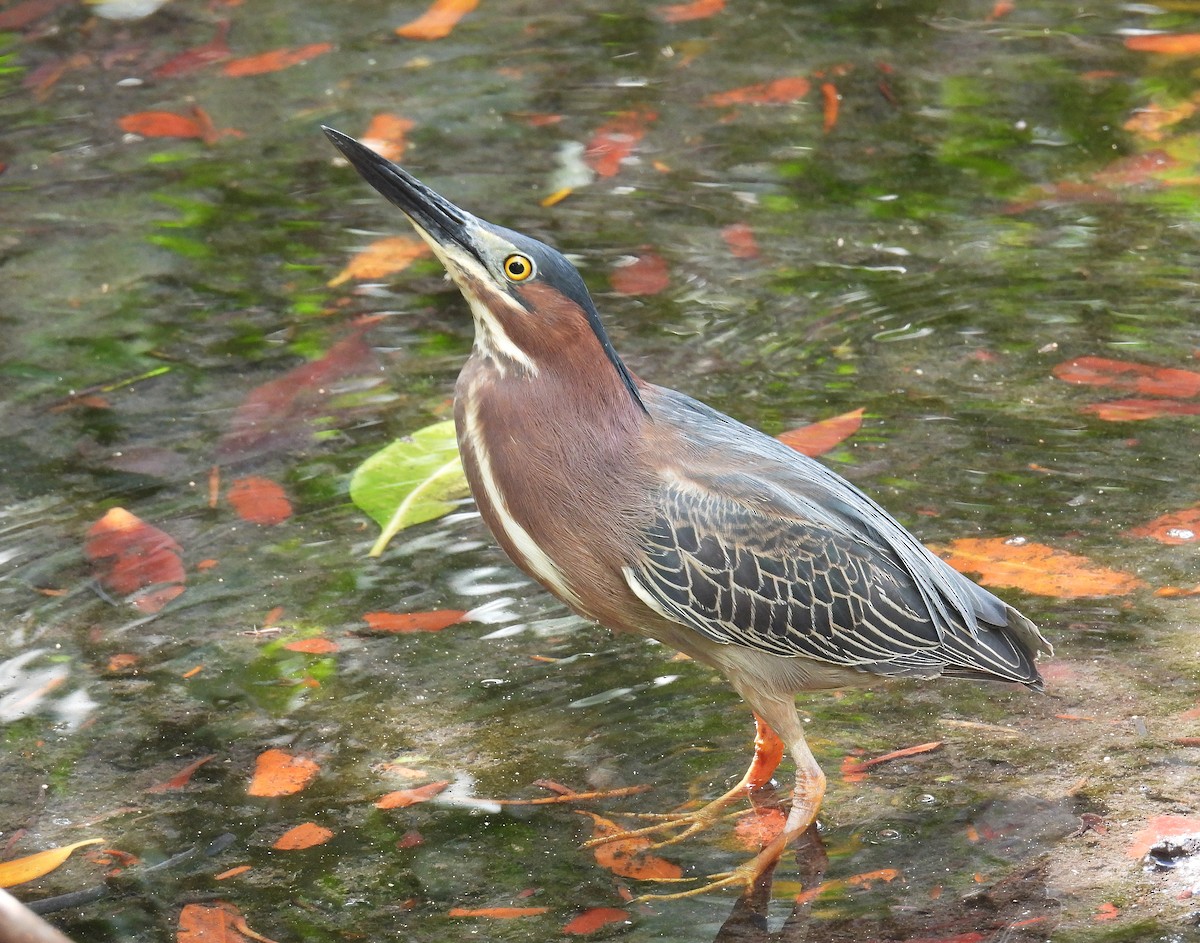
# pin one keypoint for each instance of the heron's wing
(785, 557)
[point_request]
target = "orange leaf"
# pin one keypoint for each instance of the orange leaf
(1143, 378)
(131, 557)
(831, 99)
(1172, 44)
(1136, 410)
(592, 920)
(160, 124)
(1034, 568)
(303, 836)
(312, 646)
(855, 770)
(645, 275)
(629, 857)
(403, 798)
(387, 136)
(779, 92)
(1108, 911)
(123, 661)
(760, 828)
(275, 60)
(259, 501)
(382, 258)
(1175, 527)
(31, 867)
(684, 12)
(497, 913)
(277, 773)
(232, 872)
(433, 621)
(215, 50)
(438, 20)
(819, 437)
(183, 777)
(615, 140)
(212, 923)
(1159, 828)
(740, 239)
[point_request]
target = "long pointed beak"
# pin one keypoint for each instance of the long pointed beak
(438, 220)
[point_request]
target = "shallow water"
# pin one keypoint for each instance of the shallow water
(977, 214)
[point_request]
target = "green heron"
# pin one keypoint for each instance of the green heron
(650, 512)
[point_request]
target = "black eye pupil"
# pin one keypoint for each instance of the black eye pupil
(516, 267)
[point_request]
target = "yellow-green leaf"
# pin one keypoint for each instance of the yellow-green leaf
(31, 867)
(415, 479)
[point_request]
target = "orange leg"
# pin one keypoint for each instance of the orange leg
(768, 752)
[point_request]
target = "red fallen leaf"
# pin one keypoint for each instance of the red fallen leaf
(629, 857)
(312, 646)
(191, 60)
(259, 501)
(497, 913)
(182, 778)
(819, 437)
(740, 239)
(646, 275)
(1001, 9)
(1175, 527)
(305, 835)
(831, 100)
(21, 15)
(279, 414)
(438, 21)
(783, 91)
(387, 135)
(403, 798)
(854, 771)
(232, 872)
(592, 920)
(212, 923)
(1143, 378)
(410, 839)
(1034, 568)
(1136, 410)
(685, 12)
(132, 558)
(168, 124)
(1171, 44)
(278, 773)
(432, 621)
(615, 140)
(1159, 828)
(760, 828)
(275, 60)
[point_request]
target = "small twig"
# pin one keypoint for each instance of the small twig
(575, 796)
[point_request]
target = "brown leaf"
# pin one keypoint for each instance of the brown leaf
(275, 60)
(1171, 44)
(1034, 568)
(20, 15)
(646, 275)
(383, 258)
(191, 60)
(438, 21)
(134, 559)
(1175, 527)
(693, 10)
(740, 239)
(759, 828)
(1142, 378)
(387, 136)
(403, 798)
(1159, 828)
(819, 437)
(259, 501)
(830, 102)
(1137, 410)
(312, 646)
(306, 835)
(432, 621)
(182, 778)
(629, 857)
(278, 773)
(232, 872)
(856, 770)
(220, 922)
(279, 414)
(497, 913)
(592, 920)
(32, 867)
(783, 91)
(615, 140)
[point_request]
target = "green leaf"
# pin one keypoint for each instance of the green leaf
(415, 479)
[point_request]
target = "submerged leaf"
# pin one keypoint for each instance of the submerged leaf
(629, 857)
(497, 913)
(404, 622)
(134, 559)
(438, 21)
(1034, 568)
(819, 437)
(277, 773)
(275, 60)
(305, 835)
(1175, 527)
(411, 481)
(1144, 378)
(31, 867)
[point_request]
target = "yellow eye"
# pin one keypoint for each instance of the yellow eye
(517, 268)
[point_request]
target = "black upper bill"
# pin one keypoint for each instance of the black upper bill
(440, 218)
